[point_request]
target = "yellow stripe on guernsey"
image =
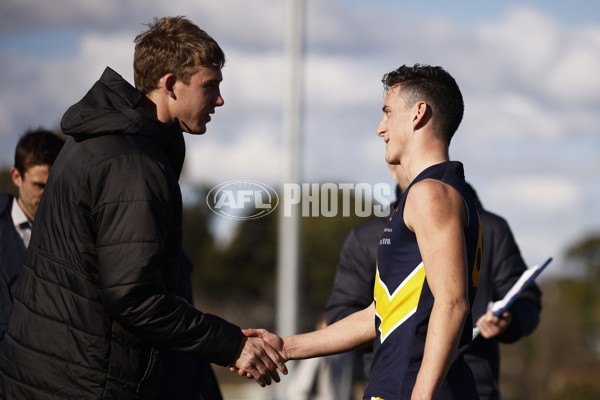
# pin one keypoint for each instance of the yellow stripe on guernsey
(394, 309)
(477, 263)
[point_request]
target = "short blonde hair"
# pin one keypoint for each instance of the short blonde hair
(172, 45)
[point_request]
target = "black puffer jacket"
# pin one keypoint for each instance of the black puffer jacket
(95, 303)
(12, 253)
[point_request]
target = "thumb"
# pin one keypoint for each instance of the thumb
(253, 332)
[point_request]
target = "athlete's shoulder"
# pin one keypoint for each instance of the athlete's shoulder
(432, 200)
(431, 193)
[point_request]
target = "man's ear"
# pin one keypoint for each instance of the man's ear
(166, 84)
(421, 115)
(16, 177)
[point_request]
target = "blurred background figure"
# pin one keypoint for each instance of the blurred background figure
(34, 155)
(502, 265)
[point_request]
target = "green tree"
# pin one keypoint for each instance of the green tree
(587, 252)
(6, 183)
(561, 359)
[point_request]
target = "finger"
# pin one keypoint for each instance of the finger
(258, 377)
(270, 366)
(273, 374)
(484, 330)
(248, 375)
(266, 368)
(239, 371)
(258, 370)
(258, 360)
(275, 360)
(253, 332)
(262, 375)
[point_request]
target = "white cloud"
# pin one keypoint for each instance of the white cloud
(546, 214)
(527, 39)
(512, 117)
(575, 76)
(100, 50)
(340, 82)
(544, 194)
(542, 56)
(38, 92)
(251, 156)
(253, 81)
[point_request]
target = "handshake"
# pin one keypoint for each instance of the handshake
(262, 353)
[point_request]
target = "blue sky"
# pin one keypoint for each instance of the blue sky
(530, 139)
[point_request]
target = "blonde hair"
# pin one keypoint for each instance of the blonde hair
(172, 45)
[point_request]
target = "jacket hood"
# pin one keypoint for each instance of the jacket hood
(111, 107)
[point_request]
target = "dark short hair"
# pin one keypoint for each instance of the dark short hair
(37, 147)
(434, 86)
(172, 45)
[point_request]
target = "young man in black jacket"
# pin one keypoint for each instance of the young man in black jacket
(96, 301)
(502, 266)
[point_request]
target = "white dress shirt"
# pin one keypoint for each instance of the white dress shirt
(22, 223)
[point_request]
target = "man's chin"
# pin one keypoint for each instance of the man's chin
(199, 130)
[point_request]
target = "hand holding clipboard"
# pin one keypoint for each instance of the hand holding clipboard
(524, 280)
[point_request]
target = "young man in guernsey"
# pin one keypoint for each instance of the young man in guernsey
(428, 261)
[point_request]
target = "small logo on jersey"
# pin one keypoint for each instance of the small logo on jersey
(385, 241)
(242, 199)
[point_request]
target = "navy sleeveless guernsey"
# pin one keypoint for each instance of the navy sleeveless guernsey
(403, 301)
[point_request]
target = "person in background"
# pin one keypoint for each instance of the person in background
(502, 265)
(34, 155)
(96, 302)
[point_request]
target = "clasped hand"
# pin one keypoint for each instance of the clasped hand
(261, 355)
(491, 326)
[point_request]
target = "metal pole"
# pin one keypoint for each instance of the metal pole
(289, 227)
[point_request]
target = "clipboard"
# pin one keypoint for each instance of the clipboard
(526, 278)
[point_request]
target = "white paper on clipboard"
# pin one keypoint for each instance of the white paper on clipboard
(524, 280)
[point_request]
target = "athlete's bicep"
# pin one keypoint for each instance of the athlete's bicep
(436, 213)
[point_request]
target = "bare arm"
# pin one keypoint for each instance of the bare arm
(356, 330)
(436, 213)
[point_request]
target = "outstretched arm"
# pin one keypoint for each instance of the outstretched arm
(356, 330)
